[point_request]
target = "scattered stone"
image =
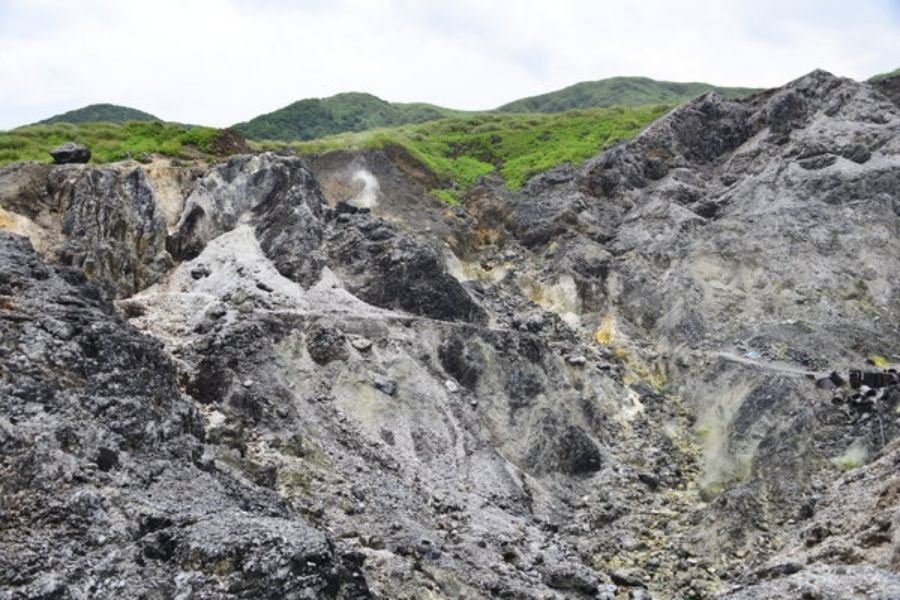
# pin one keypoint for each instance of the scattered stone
(626, 579)
(362, 344)
(576, 360)
(200, 271)
(385, 385)
(607, 591)
(70, 153)
(374, 542)
(451, 386)
(325, 343)
(217, 311)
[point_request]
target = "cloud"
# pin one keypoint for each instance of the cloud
(219, 62)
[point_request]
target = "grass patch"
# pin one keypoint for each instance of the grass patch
(460, 150)
(109, 142)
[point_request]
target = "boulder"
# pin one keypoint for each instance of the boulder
(70, 153)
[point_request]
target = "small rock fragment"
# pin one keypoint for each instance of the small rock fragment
(385, 385)
(200, 271)
(362, 344)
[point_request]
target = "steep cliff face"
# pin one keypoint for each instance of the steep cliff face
(606, 383)
(110, 222)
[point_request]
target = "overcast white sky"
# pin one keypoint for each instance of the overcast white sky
(218, 62)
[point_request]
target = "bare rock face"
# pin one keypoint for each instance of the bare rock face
(104, 470)
(277, 193)
(300, 234)
(388, 269)
(737, 229)
(612, 383)
(104, 220)
(70, 153)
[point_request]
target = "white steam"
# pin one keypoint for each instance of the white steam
(368, 196)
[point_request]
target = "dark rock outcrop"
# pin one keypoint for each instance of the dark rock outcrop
(389, 269)
(70, 153)
(105, 221)
(105, 486)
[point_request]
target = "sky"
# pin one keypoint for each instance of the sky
(218, 62)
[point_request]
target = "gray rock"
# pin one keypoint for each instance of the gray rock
(385, 385)
(362, 344)
(107, 456)
(200, 271)
(70, 153)
(326, 343)
(103, 220)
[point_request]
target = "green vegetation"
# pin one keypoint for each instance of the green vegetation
(351, 112)
(880, 76)
(458, 150)
(110, 142)
(618, 91)
(100, 113)
(462, 149)
(354, 112)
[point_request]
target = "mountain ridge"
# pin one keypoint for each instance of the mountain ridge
(312, 118)
(99, 113)
(619, 91)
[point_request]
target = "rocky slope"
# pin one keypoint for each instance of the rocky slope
(608, 385)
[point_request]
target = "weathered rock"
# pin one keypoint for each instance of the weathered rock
(385, 385)
(105, 221)
(106, 483)
(277, 193)
(70, 153)
(711, 269)
(390, 270)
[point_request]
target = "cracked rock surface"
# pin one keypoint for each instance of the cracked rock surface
(231, 383)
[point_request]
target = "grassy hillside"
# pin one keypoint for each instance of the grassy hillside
(319, 117)
(459, 150)
(881, 76)
(100, 113)
(111, 142)
(618, 91)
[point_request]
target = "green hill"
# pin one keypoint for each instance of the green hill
(459, 150)
(618, 91)
(100, 113)
(881, 76)
(350, 112)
